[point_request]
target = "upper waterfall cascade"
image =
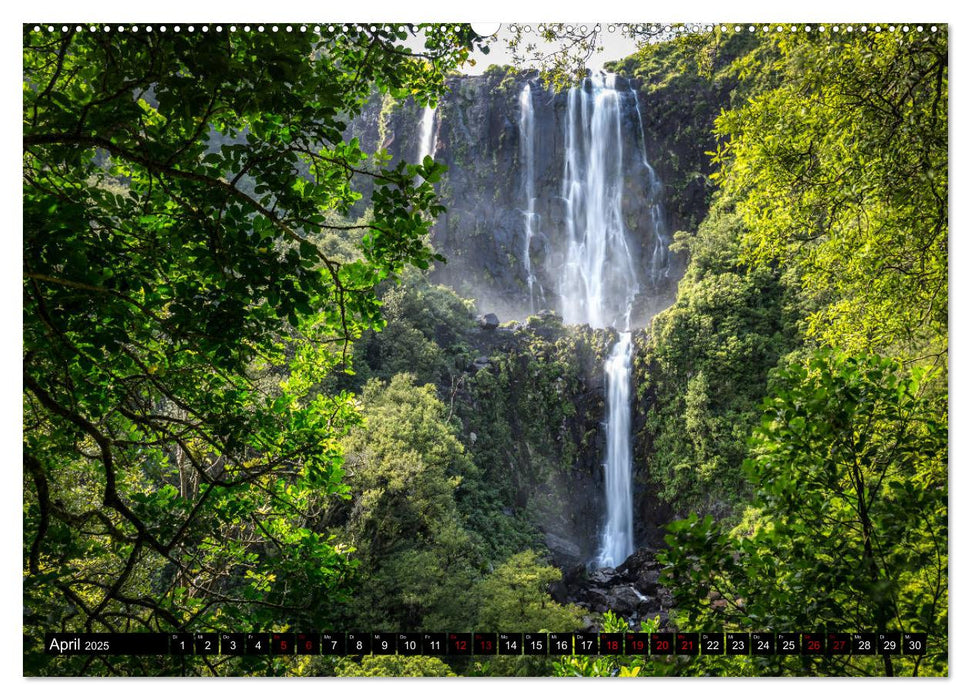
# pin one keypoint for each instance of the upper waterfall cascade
(599, 280)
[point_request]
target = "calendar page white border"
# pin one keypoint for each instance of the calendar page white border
(486, 11)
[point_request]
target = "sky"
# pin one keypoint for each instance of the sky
(615, 46)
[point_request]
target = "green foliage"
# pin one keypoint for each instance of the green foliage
(395, 666)
(841, 173)
(830, 228)
(424, 335)
(419, 556)
(404, 465)
(686, 59)
(519, 417)
(535, 419)
(174, 188)
(850, 471)
(604, 665)
(515, 597)
(705, 367)
(534, 389)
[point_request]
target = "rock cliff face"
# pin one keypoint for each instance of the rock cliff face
(477, 132)
(536, 404)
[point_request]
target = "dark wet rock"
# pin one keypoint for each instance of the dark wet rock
(647, 582)
(603, 577)
(595, 599)
(488, 322)
(644, 558)
(623, 600)
(564, 549)
(632, 590)
(575, 576)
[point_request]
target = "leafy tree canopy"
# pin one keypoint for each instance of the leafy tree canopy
(841, 172)
(174, 185)
(515, 597)
(404, 466)
(848, 529)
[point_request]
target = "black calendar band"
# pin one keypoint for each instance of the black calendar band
(488, 643)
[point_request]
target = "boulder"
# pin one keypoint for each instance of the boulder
(647, 582)
(604, 577)
(595, 599)
(488, 322)
(575, 577)
(643, 558)
(648, 608)
(562, 548)
(623, 600)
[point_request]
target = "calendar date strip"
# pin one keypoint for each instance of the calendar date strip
(488, 643)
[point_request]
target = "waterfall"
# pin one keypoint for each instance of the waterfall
(617, 540)
(426, 130)
(600, 280)
(640, 126)
(526, 141)
(659, 256)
